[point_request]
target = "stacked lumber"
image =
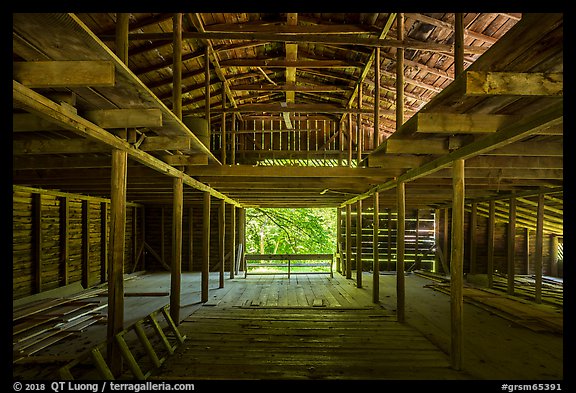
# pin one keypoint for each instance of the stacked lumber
(524, 286)
(539, 318)
(40, 324)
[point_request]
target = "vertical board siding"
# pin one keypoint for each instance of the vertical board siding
(52, 271)
(154, 232)
(425, 238)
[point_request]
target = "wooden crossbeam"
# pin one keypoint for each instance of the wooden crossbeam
(514, 83)
(35, 74)
(125, 118)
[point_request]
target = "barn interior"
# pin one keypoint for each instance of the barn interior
(140, 140)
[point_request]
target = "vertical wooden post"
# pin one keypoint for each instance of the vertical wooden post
(64, 244)
(349, 139)
(176, 265)
(490, 248)
(437, 239)
(400, 241)
(389, 245)
(400, 72)
(359, 133)
(417, 261)
(103, 242)
(223, 134)
(205, 247)
(527, 250)
(538, 258)
(473, 225)
(116, 267)
(511, 244)
(232, 239)
(340, 142)
(134, 237)
(375, 251)
(207, 85)
(117, 224)
(222, 241)
(339, 239)
(348, 241)
(37, 236)
(241, 238)
(143, 230)
(85, 243)
(457, 261)
(233, 141)
(177, 66)
(446, 238)
(457, 252)
(458, 43)
(376, 98)
(190, 239)
(162, 236)
(359, 244)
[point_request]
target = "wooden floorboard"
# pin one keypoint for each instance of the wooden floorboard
(307, 327)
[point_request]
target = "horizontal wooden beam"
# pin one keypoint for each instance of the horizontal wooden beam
(547, 84)
(284, 171)
(125, 118)
(265, 63)
(291, 87)
(282, 107)
(36, 74)
(336, 39)
(453, 123)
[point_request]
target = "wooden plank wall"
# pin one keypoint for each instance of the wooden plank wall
(522, 265)
(158, 228)
(63, 255)
(425, 238)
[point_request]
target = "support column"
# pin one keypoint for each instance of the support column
(63, 238)
(375, 251)
(348, 241)
(205, 247)
(177, 66)
(360, 136)
(223, 134)
(400, 241)
(339, 239)
(119, 173)
(37, 240)
(104, 242)
(116, 267)
(389, 243)
(86, 243)
(437, 240)
(457, 261)
(511, 244)
(242, 239)
(359, 244)
(190, 239)
(473, 224)
(490, 246)
(232, 240)
(376, 135)
(176, 265)
(222, 241)
(538, 258)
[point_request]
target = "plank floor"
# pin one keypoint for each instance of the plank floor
(308, 327)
